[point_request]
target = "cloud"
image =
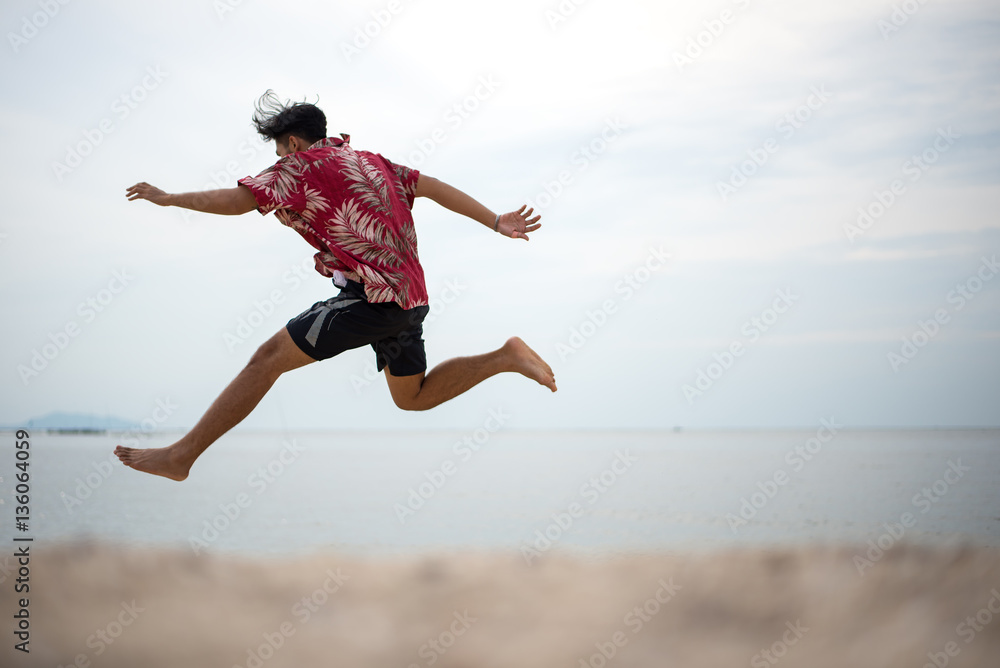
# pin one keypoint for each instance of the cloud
(688, 131)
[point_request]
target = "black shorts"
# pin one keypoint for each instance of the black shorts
(349, 321)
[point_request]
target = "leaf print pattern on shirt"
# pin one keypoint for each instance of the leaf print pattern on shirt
(362, 235)
(315, 203)
(368, 182)
(281, 180)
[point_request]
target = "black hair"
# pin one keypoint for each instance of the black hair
(279, 120)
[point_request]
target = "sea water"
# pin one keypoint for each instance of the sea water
(589, 491)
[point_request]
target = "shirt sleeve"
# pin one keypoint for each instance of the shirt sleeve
(407, 177)
(277, 187)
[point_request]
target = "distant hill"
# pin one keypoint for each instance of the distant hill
(59, 421)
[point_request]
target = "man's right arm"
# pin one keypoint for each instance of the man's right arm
(225, 202)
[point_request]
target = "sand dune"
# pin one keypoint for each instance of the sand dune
(99, 605)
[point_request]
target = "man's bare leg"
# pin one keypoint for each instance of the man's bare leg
(457, 375)
(278, 355)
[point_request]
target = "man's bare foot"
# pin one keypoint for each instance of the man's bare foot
(159, 461)
(528, 363)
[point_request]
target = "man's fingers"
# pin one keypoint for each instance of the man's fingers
(529, 221)
(528, 218)
(144, 191)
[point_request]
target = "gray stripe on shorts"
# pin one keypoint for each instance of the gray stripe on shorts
(313, 336)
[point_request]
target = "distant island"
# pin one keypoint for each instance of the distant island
(74, 423)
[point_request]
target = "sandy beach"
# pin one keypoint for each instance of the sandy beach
(101, 605)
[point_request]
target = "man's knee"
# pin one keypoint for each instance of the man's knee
(406, 392)
(268, 355)
(409, 403)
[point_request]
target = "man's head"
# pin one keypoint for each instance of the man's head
(294, 126)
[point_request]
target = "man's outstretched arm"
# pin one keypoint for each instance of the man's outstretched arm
(225, 202)
(515, 224)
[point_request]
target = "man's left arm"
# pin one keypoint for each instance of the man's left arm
(224, 202)
(515, 224)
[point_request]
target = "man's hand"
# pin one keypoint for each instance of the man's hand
(147, 192)
(517, 224)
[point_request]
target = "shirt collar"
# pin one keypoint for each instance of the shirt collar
(333, 141)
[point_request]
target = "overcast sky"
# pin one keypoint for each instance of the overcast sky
(739, 138)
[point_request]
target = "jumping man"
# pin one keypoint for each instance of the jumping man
(354, 208)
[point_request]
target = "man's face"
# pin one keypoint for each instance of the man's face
(281, 147)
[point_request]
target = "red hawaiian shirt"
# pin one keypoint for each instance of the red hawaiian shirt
(354, 207)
